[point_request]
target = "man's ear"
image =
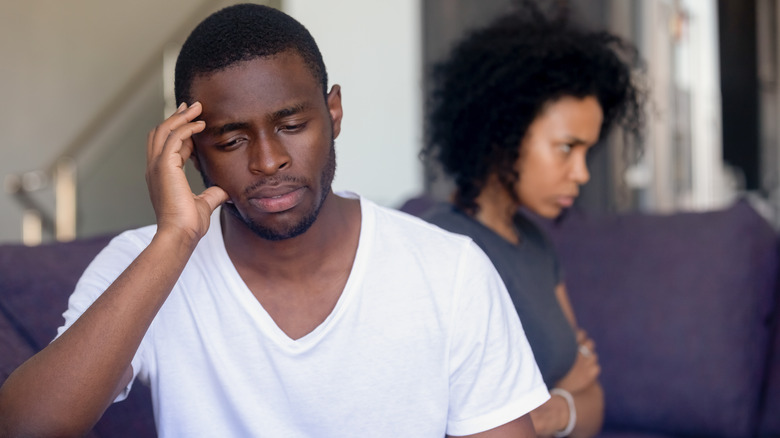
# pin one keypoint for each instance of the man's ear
(334, 108)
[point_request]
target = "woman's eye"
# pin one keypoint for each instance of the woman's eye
(565, 148)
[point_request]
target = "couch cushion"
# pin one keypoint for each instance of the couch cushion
(678, 307)
(35, 283)
(769, 425)
(15, 349)
(632, 434)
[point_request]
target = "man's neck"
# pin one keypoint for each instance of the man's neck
(335, 231)
(298, 281)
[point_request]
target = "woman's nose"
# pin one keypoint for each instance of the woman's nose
(579, 170)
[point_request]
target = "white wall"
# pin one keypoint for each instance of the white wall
(372, 49)
(63, 61)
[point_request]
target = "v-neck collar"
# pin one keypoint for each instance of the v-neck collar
(256, 310)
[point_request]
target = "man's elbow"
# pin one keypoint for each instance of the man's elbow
(20, 426)
(20, 418)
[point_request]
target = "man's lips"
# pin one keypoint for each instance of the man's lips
(277, 199)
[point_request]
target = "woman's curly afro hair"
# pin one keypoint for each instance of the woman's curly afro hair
(498, 79)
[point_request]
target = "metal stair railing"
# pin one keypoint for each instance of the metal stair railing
(61, 174)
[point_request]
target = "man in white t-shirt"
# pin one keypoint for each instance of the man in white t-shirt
(269, 305)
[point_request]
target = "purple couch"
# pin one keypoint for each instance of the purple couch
(684, 312)
(683, 308)
(35, 283)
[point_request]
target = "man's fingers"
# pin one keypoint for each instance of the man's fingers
(149, 147)
(186, 150)
(180, 140)
(183, 116)
(214, 196)
(153, 132)
(177, 122)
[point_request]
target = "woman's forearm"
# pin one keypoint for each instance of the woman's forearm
(553, 416)
(590, 411)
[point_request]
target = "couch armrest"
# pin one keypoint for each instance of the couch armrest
(679, 307)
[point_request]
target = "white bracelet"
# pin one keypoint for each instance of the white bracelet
(572, 412)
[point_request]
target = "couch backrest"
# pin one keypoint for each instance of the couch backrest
(680, 308)
(35, 283)
(15, 349)
(769, 425)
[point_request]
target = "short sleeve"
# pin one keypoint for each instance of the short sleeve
(101, 272)
(494, 378)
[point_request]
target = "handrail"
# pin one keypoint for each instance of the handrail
(114, 106)
(62, 169)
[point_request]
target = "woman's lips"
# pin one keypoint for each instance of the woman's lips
(278, 202)
(566, 201)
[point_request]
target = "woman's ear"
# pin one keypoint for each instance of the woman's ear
(335, 110)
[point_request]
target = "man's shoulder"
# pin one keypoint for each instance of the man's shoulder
(139, 238)
(392, 231)
(445, 215)
(122, 249)
(414, 228)
(136, 237)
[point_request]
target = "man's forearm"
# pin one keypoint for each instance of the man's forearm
(64, 389)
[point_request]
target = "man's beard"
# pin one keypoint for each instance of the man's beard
(292, 229)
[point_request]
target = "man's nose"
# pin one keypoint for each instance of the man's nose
(268, 155)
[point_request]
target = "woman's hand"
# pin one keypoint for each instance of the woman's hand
(582, 383)
(586, 368)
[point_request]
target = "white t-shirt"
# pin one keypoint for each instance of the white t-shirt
(423, 341)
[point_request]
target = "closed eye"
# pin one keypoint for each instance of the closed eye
(230, 144)
(292, 128)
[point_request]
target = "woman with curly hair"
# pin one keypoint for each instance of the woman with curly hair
(514, 111)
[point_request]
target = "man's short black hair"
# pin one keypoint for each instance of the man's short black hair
(239, 33)
(498, 79)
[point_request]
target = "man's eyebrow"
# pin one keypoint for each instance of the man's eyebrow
(273, 117)
(287, 112)
(227, 127)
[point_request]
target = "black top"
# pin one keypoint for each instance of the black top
(531, 273)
